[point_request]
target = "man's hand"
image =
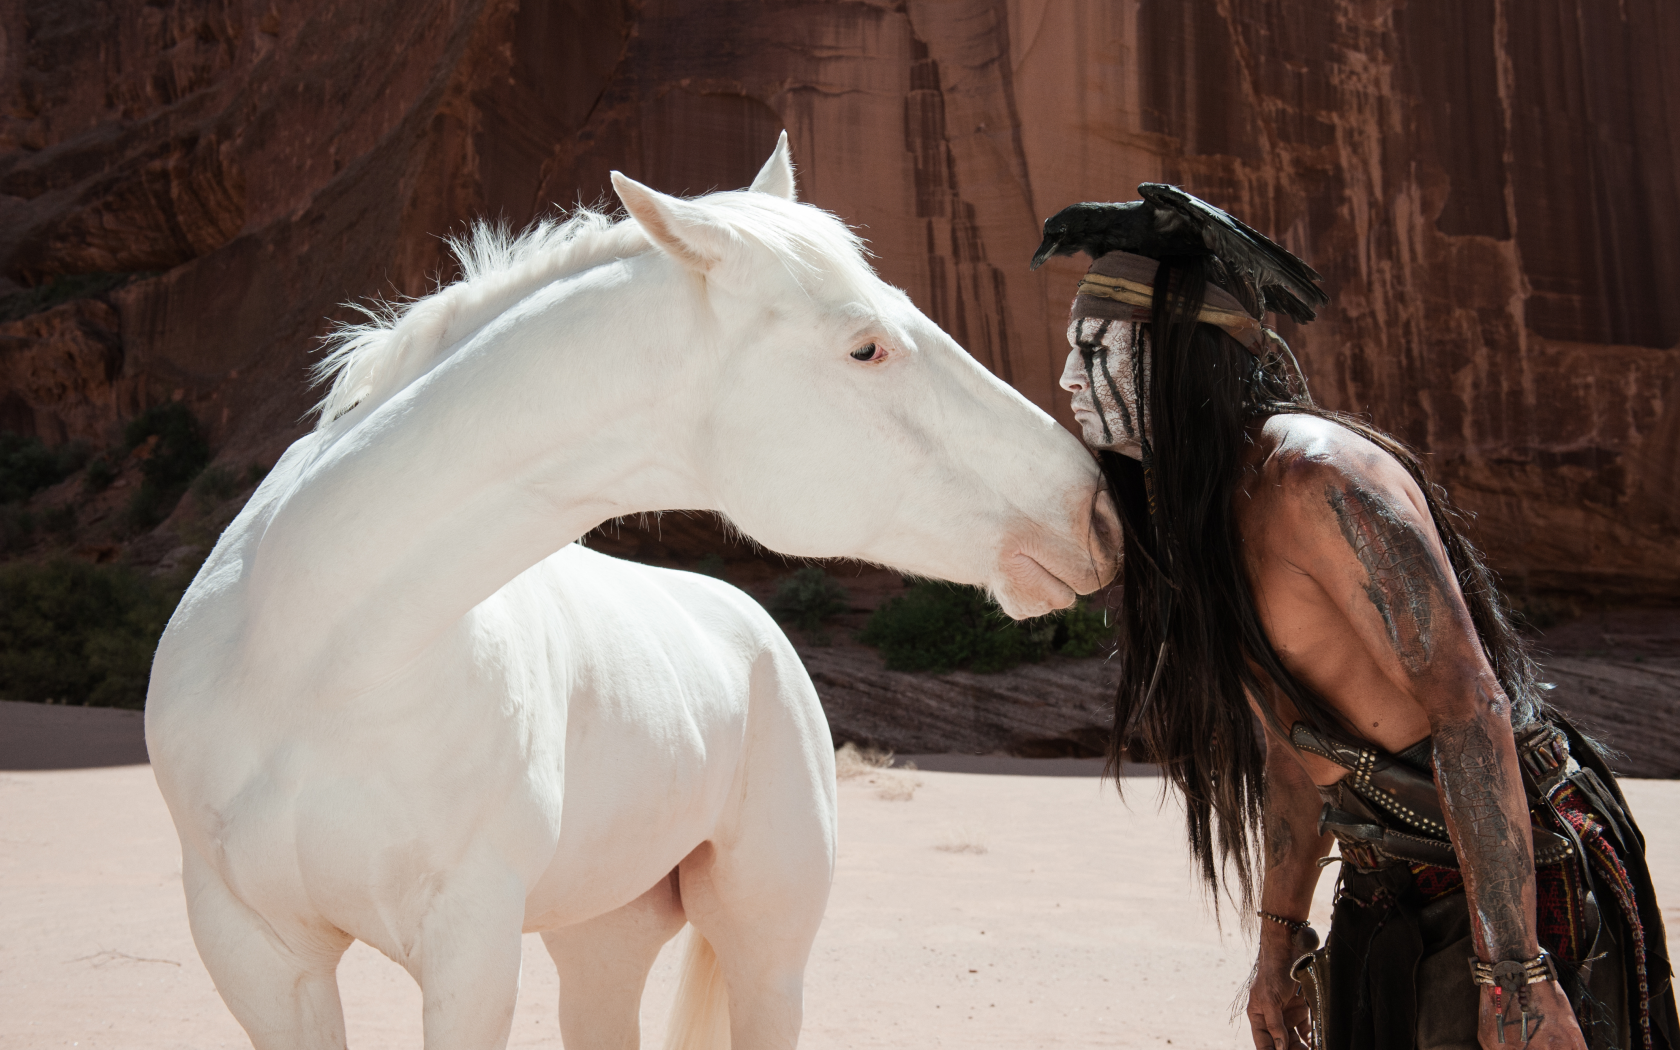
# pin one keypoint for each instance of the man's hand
(1551, 1023)
(1276, 1011)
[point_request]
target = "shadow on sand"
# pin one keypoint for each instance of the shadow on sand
(48, 736)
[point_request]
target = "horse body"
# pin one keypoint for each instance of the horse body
(399, 704)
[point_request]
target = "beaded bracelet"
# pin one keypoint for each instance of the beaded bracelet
(1533, 971)
(1290, 924)
(1517, 975)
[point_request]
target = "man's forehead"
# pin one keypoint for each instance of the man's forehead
(1109, 333)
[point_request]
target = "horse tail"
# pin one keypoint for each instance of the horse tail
(700, 1016)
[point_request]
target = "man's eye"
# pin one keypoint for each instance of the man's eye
(867, 352)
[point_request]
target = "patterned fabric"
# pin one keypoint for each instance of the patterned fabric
(1572, 807)
(1559, 894)
(1558, 897)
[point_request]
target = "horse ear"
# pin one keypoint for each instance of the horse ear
(777, 174)
(678, 227)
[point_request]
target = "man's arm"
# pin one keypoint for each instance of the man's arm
(1436, 656)
(1293, 847)
(1393, 581)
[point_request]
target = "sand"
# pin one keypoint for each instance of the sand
(1001, 910)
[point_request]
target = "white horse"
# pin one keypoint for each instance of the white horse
(400, 705)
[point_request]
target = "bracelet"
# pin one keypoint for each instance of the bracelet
(1512, 972)
(1291, 925)
(1516, 975)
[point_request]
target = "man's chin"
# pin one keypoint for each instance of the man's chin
(1125, 446)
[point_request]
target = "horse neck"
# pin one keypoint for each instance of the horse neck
(558, 415)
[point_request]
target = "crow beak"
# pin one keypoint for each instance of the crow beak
(1045, 250)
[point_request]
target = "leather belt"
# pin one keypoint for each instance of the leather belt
(1381, 790)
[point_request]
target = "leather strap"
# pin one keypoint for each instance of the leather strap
(1397, 789)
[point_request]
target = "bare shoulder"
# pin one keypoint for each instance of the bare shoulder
(1303, 465)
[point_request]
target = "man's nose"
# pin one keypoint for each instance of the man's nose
(1073, 373)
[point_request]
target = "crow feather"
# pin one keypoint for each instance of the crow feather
(1168, 222)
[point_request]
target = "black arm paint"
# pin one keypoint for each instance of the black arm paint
(1280, 839)
(1497, 865)
(1404, 577)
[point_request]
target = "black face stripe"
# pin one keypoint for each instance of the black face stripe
(1114, 391)
(1088, 350)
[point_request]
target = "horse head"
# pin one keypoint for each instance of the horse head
(836, 420)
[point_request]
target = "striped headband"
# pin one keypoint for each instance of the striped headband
(1120, 286)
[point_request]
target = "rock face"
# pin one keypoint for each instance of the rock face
(1482, 183)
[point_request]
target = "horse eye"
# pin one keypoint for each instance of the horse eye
(866, 352)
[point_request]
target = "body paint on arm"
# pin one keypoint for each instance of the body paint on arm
(1404, 579)
(1496, 860)
(1280, 839)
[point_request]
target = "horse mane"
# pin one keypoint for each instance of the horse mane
(369, 363)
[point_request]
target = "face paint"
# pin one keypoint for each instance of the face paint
(1102, 373)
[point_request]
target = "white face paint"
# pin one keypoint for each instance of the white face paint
(1111, 345)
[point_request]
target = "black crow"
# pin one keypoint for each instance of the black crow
(1169, 222)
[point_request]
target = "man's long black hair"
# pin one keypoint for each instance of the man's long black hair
(1191, 647)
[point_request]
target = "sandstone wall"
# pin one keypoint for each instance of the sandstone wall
(1486, 185)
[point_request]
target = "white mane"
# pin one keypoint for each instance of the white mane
(369, 363)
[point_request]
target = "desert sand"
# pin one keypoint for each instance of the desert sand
(987, 909)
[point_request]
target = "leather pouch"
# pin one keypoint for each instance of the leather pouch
(1312, 972)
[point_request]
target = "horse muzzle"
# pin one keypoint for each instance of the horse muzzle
(1048, 568)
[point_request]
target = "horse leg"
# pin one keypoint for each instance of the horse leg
(281, 986)
(603, 966)
(757, 894)
(466, 959)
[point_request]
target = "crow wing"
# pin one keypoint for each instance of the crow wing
(1263, 274)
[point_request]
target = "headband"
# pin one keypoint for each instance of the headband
(1120, 286)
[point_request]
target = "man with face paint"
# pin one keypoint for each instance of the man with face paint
(1316, 655)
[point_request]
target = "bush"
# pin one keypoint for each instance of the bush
(1083, 631)
(27, 465)
(217, 484)
(808, 599)
(146, 508)
(99, 475)
(178, 456)
(181, 450)
(76, 633)
(941, 627)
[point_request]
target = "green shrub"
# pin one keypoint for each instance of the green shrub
(27, 465)
(181, 450)
(941, 627)
(809, 599)
(217, 484)
(148, 506)
(1083, 631)
(76, 633)
(177, 457)
(99, 475)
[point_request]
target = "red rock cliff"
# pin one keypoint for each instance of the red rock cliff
(1487, 186)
